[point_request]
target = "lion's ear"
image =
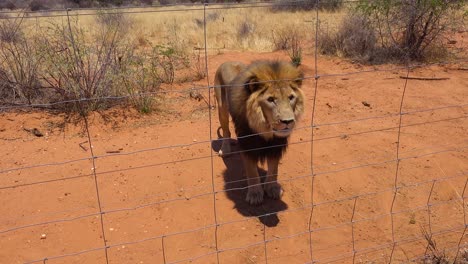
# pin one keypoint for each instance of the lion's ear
(253, 84)
(299, 79)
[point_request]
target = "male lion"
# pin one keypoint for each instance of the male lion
(265, 101)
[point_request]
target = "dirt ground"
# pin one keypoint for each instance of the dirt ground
(167, 198)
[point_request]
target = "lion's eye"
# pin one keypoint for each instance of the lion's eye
(291, 97)
(271, 99)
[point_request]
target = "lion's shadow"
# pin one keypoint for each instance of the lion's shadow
(235, 186)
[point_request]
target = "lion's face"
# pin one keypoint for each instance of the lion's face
(275, 107)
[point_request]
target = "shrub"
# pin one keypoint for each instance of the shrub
(281, 38)
(19, 63)
(210, 17)
(198, 65)
(138, 74)
(410, 26)
(289, 40)
(295, 49)
(306, 5)
(77, 68)
(356, 37)
(245, 29)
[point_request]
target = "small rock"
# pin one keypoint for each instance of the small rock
(43, 236)
(366, 103)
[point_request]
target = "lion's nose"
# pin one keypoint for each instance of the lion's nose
(287, 121)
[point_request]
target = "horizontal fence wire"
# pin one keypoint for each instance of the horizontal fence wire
(242, 188)
(365, 161)
(389, 159)
(233, 152)
(257, 134)
(206, 88)
(367, 250)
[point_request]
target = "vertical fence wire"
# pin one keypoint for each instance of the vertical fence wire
(210, 132)
(96, 184)
(429, 215)
(312, 183)
(84, 114)
(397, 166)
(464, 220)
(163, 249)
(352, 229)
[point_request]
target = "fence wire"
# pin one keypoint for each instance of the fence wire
(396, 158)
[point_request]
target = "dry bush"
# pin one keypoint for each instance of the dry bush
(290, 40)
(139, 75)
(198, 65)
(295, 50)
(209, 18)
(436, 256)
(281, 38)
(78, 67)
(411, 26)
(168, 60)
(355, 38)
(20, 62)
(393, 31)
(245, 29)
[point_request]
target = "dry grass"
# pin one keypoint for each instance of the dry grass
(185, 28)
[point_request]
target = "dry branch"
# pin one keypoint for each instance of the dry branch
(425, 78)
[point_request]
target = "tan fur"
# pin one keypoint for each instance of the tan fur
(264, 99)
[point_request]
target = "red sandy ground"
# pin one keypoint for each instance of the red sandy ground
(160, 184)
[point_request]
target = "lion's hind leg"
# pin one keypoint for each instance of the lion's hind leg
(223, 114)
(224, 120)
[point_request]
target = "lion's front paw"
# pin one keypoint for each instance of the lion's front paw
(255, 195)
(273, 190)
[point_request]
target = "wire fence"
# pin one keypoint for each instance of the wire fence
(322, 227)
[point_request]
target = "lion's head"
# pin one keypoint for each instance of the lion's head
(275, 100)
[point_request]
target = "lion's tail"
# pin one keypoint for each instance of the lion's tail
(217, 132)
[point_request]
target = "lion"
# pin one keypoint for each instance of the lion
(265, 102)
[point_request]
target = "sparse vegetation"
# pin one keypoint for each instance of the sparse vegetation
(410, 26)
(435, 255)
(295, 49)
(140, 78)
(77, 68)
(290, 40)
(355, 38)
(19, 72)
(393, 30)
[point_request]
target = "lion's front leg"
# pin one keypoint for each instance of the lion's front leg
(255, 190)
(272, 187)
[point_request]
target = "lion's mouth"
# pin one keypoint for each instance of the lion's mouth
(284, 132)
(282, 129)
